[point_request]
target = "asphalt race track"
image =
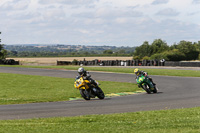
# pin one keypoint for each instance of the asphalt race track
(174, 92)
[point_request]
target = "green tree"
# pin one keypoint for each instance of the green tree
(136, 57)
(158, 56)
(145, 58)
(3, 52)
(122, 51)
(143, 50)
(190, 50)
(107, 52)
(197, 46)
(86, 53)
(159, 46)
(174, 55)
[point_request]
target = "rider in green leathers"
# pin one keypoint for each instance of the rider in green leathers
(138, 73)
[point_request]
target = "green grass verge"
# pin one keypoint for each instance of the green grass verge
(164, 72)
(16, 88)
(165, 121)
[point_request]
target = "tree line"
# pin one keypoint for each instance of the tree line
(63, 51)
(158, 49)
(184, 50)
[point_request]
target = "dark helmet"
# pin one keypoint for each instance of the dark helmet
(81, 70)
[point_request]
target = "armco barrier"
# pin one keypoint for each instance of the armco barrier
(183, 63)
(188, 64)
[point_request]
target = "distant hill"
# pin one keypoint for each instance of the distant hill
(31, 50)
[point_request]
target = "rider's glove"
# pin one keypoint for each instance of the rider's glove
(145, 74)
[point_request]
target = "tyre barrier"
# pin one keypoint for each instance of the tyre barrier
(8, 62)
(97, 62)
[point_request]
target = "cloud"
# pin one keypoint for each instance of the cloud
(168, 12)
(133, 7)
(193, 13)
(157, 2)
(16, 5)
(196, 1)
(103, 22)
(68, 2)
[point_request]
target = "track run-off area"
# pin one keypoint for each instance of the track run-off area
(174, 92)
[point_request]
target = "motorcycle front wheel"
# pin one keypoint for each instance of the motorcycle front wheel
(147, 89)
(84, 94)
(100, 93)
(155, 89)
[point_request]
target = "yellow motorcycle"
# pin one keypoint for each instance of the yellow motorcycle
(88, 90)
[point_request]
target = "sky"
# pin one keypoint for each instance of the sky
(99, 22)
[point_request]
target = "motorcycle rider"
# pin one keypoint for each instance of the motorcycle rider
(138, 73)
(86, 76)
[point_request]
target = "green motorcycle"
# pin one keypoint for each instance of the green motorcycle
(146, 84)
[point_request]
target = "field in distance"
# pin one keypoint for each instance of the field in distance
(53, 60)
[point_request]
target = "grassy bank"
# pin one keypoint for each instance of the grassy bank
(163, 72)
(165, 121)
(16, 88)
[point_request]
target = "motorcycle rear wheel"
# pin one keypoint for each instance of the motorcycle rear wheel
(84, 94)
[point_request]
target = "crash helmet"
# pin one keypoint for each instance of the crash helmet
(136, 71)
(81, 70)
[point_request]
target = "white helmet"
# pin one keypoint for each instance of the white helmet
(81, 70)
